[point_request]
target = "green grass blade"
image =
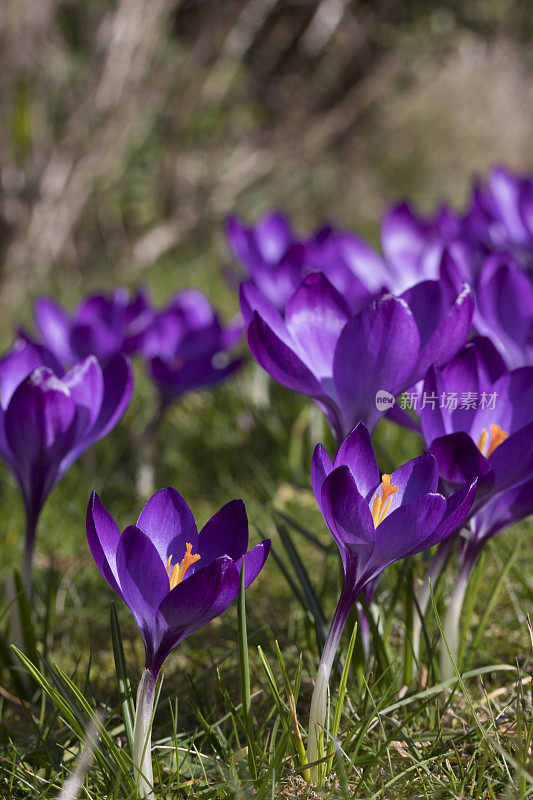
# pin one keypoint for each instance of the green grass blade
(314, 606)
(494, 596)
(124, 685)
(337, 713)
(244, 666)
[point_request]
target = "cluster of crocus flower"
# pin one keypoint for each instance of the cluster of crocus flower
(329, 317)
(51, 415)
(489, 246)
(185, 345)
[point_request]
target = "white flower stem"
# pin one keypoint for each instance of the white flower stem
(449, 646)
(317, 714)
(142, 735)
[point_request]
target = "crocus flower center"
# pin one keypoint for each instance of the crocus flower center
(497, 436)
(179, 570)
(381, 505)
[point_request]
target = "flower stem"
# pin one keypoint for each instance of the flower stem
(449, 647)
(29, 549)
(317, 714)
(146, 475)
(142, 734)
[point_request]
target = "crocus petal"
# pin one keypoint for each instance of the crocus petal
(364, 262)
(54, 326)
(252, 300)
(357, 453)
(315, 316)
(193, 603)
(86, 384)
(417, 477)
(405, 531)
(512, 408)
(168, 521)
(348, 517)
(457, 508)
(435, 418)
(226, 534)
(459, 460)
(321, 466)
(40, 424)
(103, 535)
(118, 388)
(22, 359)
(438, 343)
(94, 338)
(512, 460)
(254, 561)
(505, 194)
(403, 239)
(505, 299)
(506, 508)
(142, 578)
(273, 235)
(376, 351)
(279, 360)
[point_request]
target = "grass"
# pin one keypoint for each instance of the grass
(230, 725)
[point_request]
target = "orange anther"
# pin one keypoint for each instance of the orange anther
(179, 570)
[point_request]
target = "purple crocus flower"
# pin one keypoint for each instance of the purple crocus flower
(484, 427)
(481, 427)
(341, 359)
(374, 521)
(275, 260)
(504, 310)
(501, 213)
(103, 326)
(173, 579)
(186, 346)
(48, 417)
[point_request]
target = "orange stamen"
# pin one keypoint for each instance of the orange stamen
(497, 436)
(179, 570)
(381, 505)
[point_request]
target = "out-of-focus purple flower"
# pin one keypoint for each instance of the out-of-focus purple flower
(488, 435)
(173, 579)
(275, 260)
(501, 213)
(103, 325)
(375, 521)
(412, 249)
(342, 360)
(504, 309)
(187, 346)
(47, 418)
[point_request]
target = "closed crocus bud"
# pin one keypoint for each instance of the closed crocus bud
(49, 417)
